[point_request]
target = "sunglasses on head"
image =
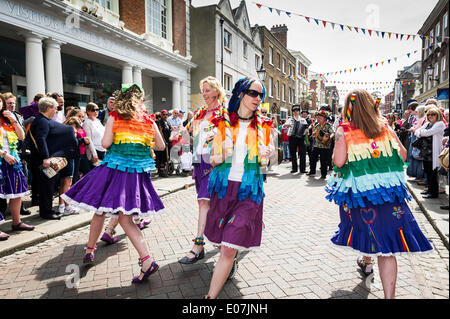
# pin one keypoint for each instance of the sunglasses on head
(254, 93)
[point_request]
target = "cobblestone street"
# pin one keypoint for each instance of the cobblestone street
(296, 260)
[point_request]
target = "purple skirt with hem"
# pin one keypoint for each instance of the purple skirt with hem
(381, 230)
(234, 223)
(200, 175)
(107, 190)
(14, 183)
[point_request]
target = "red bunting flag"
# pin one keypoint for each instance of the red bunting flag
(370, 32)
(324, 23)
(307, 19)
(258, 5)
(356, 29)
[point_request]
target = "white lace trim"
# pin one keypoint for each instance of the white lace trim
(380, 254)
(223, 243)
(110, 212)
(9, 196)
(204, 198)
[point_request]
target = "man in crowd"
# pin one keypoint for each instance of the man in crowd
(104, 114)
(323, 133)
(59, 116)
(163, 156)
(174, 120)
(297, 126)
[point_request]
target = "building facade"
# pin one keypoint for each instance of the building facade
(405, 86)
(280, 65)
(302, 84)
(223, 45)
(332, 98)
(85, 49)
(435, 55)
(317, 90)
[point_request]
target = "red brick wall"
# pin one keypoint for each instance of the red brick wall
(179, 26)
(132, 13)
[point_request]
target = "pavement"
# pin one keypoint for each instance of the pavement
(46, 229)
(296, 259)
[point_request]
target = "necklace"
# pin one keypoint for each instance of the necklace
(245, 118)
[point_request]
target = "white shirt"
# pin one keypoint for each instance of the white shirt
(5, 140)
(437, 131)
(95, 131)
(175, 122)
(239, 154)
(201, 149)
(59, 117)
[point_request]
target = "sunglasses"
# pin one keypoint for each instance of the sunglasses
(96, 110)
(431, 114)
(254, 93)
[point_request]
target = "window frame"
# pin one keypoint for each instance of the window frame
(227, 82)
(230, 39)
(270, 87)
(164, 21)
(271, 55)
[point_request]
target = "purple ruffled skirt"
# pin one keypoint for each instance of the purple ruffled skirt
(234, 223)
(13, 182)
(200, 175)
(381, 230)
(107, 190)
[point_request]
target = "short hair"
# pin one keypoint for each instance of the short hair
(413, 106)
(9, 95)
(420, 111)
(214, 84)
(431, 101)
(435, 110)
(45, 103)
(72, 121)
(90, 107)
(54, 95)
(37, 97)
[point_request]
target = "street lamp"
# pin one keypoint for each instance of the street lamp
(262, 73)
(430, 72)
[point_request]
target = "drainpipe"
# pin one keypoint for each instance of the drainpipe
(221, 38)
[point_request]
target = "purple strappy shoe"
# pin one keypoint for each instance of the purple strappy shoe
(152, 269)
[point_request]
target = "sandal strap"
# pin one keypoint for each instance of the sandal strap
(141, 260)
(92, 248)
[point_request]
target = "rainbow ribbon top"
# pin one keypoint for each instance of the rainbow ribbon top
(374, 171)
(252, 182)
(132, 143)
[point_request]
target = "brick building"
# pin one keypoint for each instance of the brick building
(85, 49)
(435, 56)
(280, 65)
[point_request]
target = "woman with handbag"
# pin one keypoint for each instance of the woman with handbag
(431, 134)
(121, 185)
(415, 167)
(50, 140)
(13, 183)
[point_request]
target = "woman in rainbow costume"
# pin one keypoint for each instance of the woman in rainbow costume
(121, 185)
(241, 147)
(368, 184)
(202, 128)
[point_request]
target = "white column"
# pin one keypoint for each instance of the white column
(184, 101)
(34, 63)
(127, 73)
(137, 75)
(176, 94)
(53, 66)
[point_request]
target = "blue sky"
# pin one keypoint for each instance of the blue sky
(334, 50)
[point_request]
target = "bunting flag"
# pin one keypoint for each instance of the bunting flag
(398, 35)
(371, 65)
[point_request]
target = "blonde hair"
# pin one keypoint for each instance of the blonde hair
(45, 103)
(420, 111)
(435, 110)
(214, 84)
(363, 113)
(128, 102)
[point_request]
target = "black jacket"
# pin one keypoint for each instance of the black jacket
(52, 139)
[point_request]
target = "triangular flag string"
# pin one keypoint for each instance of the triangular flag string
(398, 36)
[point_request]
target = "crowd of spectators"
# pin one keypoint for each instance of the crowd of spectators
(47, 129)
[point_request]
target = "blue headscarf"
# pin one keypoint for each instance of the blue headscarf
(241, 86)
